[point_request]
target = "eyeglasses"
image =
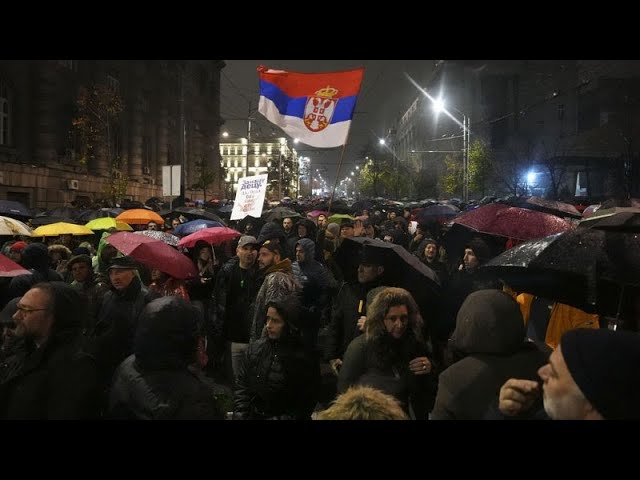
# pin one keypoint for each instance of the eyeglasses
(26, 310)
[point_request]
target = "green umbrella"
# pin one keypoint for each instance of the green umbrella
(105, 223)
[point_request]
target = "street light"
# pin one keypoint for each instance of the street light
(439, 106)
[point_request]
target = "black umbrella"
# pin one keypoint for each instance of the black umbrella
(585, 268)
(279, 213)
(48, 220)
(401, 268)
(13, 209)
(88, 215)
(614, 219)
(198, 213)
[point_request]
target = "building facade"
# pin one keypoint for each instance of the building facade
(168, 113)
(561, 128)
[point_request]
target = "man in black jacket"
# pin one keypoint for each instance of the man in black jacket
(235, 291)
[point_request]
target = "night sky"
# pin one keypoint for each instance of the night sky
(384, 96)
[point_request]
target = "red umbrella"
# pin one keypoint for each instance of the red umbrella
(153, 254)
(213, 236)
(9, 268)
(512, 222)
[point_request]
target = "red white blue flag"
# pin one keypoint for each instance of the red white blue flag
(315, 108)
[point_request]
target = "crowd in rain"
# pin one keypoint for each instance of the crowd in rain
(514, 309)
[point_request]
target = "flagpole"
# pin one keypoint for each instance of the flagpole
(335, 184)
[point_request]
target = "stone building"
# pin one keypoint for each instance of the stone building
(170, 115)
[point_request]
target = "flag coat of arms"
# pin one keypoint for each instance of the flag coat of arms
(315, 108)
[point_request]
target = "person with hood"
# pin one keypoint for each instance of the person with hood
(591, 375)
(304, 228)
(158, 381)
(84, 280)
(363, 403)
(278, 282)
(316, 281)
(273, 231)
(59, 255)
(35, 258)
(488, 346)
(279, 377)
(51, 376)
(392, 355)
(427, 252)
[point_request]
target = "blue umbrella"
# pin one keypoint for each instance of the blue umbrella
(194, 226)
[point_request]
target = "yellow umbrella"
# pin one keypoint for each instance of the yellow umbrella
(61, 228)
(105, 223)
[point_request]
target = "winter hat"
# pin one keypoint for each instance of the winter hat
(123, 263)
(35, 255)
(605, 364)
(480, 248)
(80, 251)
(17, 246)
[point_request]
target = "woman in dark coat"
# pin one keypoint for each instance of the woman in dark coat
(159, 382)
(392, 355)
(279, 377)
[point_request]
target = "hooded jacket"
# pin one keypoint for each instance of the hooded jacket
(156, 382)
(489, 339)
(35, 258)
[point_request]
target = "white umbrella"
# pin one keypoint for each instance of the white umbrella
(11, 226)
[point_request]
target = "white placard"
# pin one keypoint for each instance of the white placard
(171, 180)
(250, 197)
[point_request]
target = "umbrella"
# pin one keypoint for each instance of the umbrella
(105, 223)
(61, 228)
(279, 213)
(401, 268)
(198, 213)
(625, 219)
(47, 220)
(512, 222)
(68, 212)
(573, 267)
(317, 213)
(140, 216)
(161, 236)
(338, 217)
(193, 226)
(11, 226)
(440, 213)
(553, 207)
(226, 209)
(590, 210)
(213, 236)
(9, 268)
(361, 205)
(10, 208)
(153, 254)
(89, 215)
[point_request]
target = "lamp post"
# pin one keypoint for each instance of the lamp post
(438, 106)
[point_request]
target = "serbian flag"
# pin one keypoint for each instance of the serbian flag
(315, 108)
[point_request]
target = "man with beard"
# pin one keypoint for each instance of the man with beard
(50, 376)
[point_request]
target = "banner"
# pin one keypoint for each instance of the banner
(249, 197)
(315, 108)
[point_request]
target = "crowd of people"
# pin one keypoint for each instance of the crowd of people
(281, 323)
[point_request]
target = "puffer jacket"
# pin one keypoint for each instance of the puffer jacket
(277, 380)
(160, 395)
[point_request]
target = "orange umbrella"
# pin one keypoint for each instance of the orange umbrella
(139, 216)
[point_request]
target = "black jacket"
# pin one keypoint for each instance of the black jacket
(278, 379)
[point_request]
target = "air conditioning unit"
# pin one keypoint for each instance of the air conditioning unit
(73, 184)
(146, 170)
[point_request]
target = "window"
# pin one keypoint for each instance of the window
(5, 114)
(113, 83)
(146, 155)
(69, 64)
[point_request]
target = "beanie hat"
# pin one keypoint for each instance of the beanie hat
(17, 246)
(605, 364)
(480, 248)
